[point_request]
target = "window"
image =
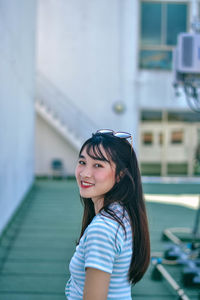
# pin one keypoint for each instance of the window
(151, 115)
(177, 137)
(160, 24)
(183, 116)
(147, 138)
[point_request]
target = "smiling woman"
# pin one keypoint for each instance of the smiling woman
(95, 177)
(113, 250)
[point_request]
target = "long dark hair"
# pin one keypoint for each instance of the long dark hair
(127, 191)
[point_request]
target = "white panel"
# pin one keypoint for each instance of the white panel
(50, 145)
(87, 48)
(17, 78)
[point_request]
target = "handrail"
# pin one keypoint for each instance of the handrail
(63, 109)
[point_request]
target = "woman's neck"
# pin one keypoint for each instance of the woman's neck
(98, 204)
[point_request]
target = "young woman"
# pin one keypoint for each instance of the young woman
(113, 251)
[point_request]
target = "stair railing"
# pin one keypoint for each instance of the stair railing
(63, 109)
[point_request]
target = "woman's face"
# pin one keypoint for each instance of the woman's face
(94, 177)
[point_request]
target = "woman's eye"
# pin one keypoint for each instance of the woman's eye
(81, 162)
(98, 166)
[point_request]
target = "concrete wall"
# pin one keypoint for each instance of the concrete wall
(155, 91)
(17, 78)
(88, 49)
(50, 145)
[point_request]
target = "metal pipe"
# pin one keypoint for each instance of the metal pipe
(172, 237)
(171, 281)
(196, 222)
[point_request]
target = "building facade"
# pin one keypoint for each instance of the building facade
(107, 62)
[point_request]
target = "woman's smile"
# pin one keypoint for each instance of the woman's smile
(85, 184)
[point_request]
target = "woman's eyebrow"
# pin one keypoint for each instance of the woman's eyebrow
(101, 159)
(95, 158)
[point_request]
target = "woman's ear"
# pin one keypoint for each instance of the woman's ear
(121, 175)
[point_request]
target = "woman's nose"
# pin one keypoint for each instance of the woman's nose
(86, 172)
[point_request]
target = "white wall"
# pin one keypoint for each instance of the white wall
(17, 60)
(155, 90)
(50, 145)
(90, 49)
(87, 48)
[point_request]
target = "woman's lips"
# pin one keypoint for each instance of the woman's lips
(85, 184)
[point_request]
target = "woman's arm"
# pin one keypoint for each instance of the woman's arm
(96, 284)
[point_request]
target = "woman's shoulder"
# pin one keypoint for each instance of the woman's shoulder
(117, 210)
(109, 218)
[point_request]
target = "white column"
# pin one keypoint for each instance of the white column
(129, 15)
(191, 152)
(165, 143)
(194, 11)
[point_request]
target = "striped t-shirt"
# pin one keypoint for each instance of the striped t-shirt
(104, 246)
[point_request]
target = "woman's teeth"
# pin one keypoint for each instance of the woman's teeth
(86, 183)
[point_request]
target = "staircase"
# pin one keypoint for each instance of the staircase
(60, 112)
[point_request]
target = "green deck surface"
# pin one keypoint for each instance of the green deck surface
(36, 248)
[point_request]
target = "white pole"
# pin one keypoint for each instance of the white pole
(172, 282)
(165, 143)
(194, 15)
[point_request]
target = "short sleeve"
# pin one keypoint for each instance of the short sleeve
(103, 243)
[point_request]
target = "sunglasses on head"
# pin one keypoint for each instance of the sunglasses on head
(119, 134)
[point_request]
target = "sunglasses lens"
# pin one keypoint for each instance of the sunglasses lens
(123, 135)
(105, 131)
(119, 134)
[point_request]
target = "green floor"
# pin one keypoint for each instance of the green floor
(36, 248)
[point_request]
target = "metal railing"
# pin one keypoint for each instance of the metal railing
(63, 109)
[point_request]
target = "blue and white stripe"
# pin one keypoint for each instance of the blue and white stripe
(103, 246)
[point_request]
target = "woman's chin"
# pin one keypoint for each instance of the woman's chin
(84, 194)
